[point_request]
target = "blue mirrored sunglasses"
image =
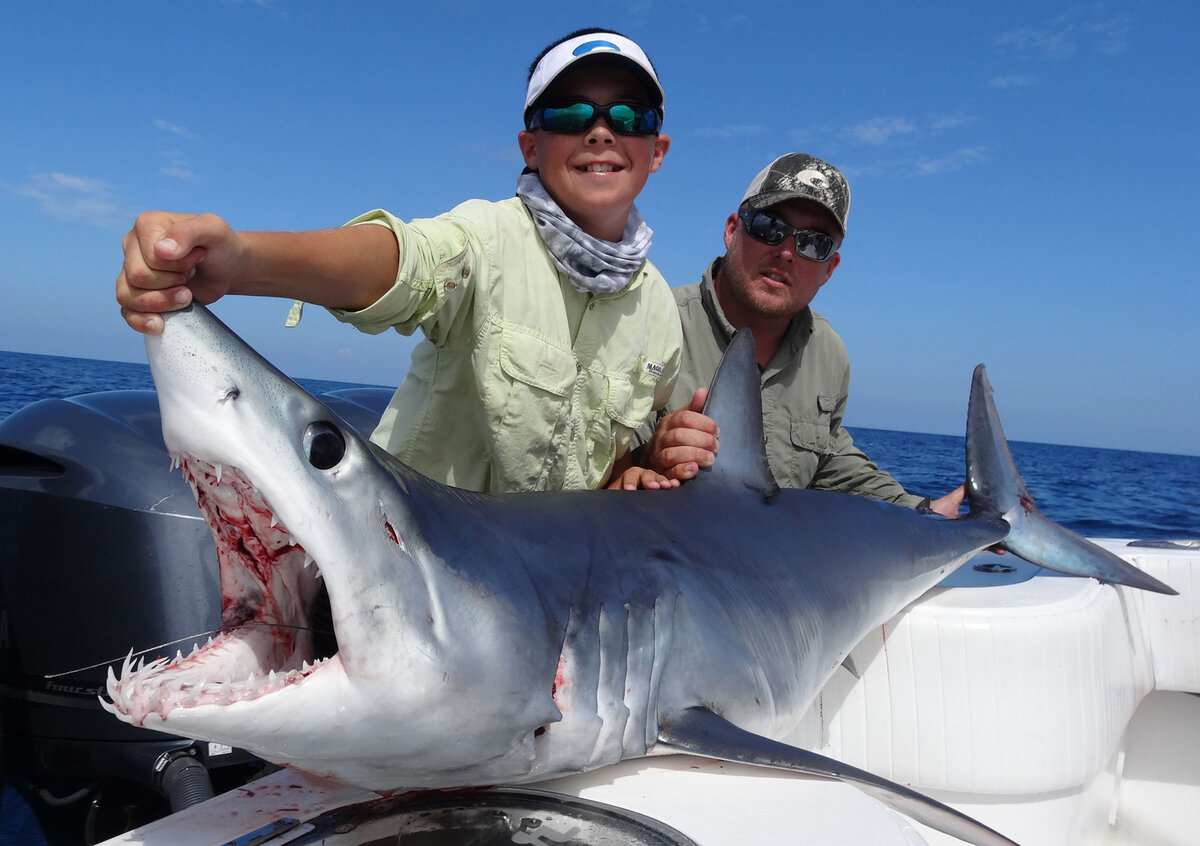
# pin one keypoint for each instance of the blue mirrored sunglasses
(577, 116)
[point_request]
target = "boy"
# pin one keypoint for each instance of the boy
(549, 338)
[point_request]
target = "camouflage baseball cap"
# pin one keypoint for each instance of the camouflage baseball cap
(799, 176)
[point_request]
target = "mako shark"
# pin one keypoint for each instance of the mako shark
(484, 640)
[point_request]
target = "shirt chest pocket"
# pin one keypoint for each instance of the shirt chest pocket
(630, 397)
(810, 431)
(535, 362)
(530, 409)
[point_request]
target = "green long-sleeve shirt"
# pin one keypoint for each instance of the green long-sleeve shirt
(522, 381)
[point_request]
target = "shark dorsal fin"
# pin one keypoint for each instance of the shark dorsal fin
(735, 402)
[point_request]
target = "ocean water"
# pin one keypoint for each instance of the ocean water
(1095, 492)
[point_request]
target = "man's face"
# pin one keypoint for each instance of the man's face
(594, 175)
(759, 282)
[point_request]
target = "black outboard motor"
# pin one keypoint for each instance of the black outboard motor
(102, 548)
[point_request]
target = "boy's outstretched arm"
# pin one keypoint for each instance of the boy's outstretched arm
(171, 258)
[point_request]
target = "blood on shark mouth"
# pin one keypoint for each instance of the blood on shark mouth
(276, 628)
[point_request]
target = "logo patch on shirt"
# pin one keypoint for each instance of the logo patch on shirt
(652, 368)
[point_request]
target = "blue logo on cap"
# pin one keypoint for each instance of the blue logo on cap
(589, 46)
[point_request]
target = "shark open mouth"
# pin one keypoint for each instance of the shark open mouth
(276, 628)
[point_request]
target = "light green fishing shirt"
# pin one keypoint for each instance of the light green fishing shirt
(804, 391)
(522, 382)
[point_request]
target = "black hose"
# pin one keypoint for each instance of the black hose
(185, 782)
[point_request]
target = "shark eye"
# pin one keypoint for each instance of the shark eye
(324, 445)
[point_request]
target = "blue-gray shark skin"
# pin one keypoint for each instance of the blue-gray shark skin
(504, 639)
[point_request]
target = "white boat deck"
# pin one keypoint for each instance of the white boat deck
(1057, 710)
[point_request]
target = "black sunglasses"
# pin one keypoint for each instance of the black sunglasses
(577, 116)
(810, 244)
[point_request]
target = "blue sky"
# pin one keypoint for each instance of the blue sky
(1024, 175)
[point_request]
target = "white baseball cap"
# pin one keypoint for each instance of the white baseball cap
(606, 46)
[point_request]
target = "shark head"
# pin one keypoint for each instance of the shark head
(298, 502)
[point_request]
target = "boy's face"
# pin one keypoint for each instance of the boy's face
(594, 175)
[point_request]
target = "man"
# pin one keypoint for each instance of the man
(781, 247)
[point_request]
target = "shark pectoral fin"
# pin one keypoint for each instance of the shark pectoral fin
(698, 731)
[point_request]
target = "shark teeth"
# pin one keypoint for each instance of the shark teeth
(266, 643)
(162, 685)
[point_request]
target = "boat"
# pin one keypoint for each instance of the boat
(1056, 710)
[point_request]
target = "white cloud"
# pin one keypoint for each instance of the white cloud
(956, 160)
(941, 123)
(177, 166)
(1015, 80)
(898, 145)
(1031, 41)
(174, 129)
(1067, 34)
(1110, 36)
(75, 198)
(879, 131)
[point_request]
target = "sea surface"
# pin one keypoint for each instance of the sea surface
(1095, 492)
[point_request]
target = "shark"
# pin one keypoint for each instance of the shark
(503, 639)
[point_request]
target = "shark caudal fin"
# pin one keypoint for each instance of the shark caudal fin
(995, 487)
(735, 402)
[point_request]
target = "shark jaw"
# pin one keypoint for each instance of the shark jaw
(281, 481)
(269, 585)
(262, 683)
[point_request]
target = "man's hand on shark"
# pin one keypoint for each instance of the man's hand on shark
(948, 505)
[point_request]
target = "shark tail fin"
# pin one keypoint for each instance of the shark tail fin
(699, 731)
(995, 488)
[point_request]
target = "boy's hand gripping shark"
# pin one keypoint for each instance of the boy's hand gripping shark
(500, 639)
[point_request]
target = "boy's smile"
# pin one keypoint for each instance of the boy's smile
(595, 175)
